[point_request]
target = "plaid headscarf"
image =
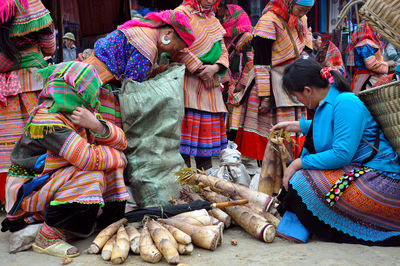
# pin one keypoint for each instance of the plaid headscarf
(198, 9)
(329, 52)
(66, 86)
(238, 23)
(179, 21)
(283, 9)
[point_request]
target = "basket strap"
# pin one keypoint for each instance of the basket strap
(376, 150)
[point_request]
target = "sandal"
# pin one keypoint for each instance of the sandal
(59, 249)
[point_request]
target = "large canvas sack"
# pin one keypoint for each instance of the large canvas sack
(152, 113)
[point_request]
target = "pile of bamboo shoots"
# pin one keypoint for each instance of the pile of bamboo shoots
(253, 217)
(168, 238)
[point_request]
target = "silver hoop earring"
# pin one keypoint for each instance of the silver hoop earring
(164, 41)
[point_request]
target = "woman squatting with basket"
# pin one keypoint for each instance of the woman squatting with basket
(340, 189)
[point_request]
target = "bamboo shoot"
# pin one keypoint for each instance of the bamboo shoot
(201, 237)
(217, 184)
(134, 237)
(148, 251)
(180, 236)
(185, 249)
(222, 216)
(163, 240)
(105, 235)
(121, 247)
(107, 249)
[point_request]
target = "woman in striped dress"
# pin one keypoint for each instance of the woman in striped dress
(26, 35)
(274, 49)
(67, 169)
(203, 126)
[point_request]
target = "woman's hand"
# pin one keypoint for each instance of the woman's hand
(264, 105)
(82, 117)
(392, 63)
(207, 73)
(295, 166)
(290, 126)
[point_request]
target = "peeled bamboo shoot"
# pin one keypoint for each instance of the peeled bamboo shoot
(222, 216)
(185, 249)
(107, 249)
(134, 237)
(199, 220)
(163, 240)
(148, 251)
(121, 247)
(269, 216)
(202, 212)
(180, 236)
(105, 235)
(202, 237)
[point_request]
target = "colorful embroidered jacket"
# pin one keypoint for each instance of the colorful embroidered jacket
(208, 48)
(65, 145)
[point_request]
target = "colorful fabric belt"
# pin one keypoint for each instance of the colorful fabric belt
(343, 183)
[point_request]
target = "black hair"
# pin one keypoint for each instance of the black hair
(307, 72)
(6, 46)
(315, 35)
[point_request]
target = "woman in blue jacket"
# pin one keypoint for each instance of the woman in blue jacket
(340, 189)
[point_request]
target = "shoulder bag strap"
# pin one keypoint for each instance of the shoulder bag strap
(285, 26)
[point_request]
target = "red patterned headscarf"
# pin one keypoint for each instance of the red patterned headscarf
(283, 9)
(365, 32)
(238, 23)
(198, 9)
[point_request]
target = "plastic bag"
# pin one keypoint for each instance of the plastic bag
(231, 167)
(152, 114)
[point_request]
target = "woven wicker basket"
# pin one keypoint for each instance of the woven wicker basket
(384, 17)
(384, 104)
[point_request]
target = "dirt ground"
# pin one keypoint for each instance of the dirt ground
(249, 251)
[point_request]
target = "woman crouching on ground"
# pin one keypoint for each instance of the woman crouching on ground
(67, 169)
(339, 189)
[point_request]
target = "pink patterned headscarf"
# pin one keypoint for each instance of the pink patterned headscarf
(176, 19)
(9, 8)
(238, 23)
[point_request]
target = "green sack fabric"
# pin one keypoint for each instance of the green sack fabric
(152, 113)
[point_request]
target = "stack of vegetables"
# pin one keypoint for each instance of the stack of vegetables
(254, 217)
(166, 238)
